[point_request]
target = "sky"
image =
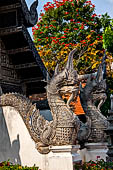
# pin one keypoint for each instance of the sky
(101, 7)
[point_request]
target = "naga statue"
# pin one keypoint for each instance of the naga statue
(65, 126)
(92, 96)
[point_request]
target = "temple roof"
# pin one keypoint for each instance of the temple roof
(21, 68)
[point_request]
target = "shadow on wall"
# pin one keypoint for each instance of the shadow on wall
(8, 150)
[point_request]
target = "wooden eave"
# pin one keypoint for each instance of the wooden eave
(11, 36)
(18, 50)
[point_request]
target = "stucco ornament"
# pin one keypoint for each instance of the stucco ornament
(31, 15)
(92, 96)
(65, 128)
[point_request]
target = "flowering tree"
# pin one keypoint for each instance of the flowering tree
(64, 25)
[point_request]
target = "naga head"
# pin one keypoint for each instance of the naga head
(66, 78)
(95, 89)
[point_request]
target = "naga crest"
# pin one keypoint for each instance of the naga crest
(67, 77)
(99, 90)
(95, 88)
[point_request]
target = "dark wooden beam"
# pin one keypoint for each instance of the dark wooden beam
(35, 52)
(18, 50)
(26, 65)
(10, 83)
(8, 7)
(30, 80)
(8, 31)
(10, 80)
(7, 65)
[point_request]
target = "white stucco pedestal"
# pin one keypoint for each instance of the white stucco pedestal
(63, 157)
(17, 145)
(94, 151)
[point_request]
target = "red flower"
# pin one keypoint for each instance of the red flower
(8, 163)
(94, 15)
(57, 5)
(63, 37)
(65, 0)
(55, 41)
(37, 28)
(84, 42)
(33, 28)
(81, 41)
(82, 27)
(70, 43)
(92, 31)
(93, 6)
(46, 9)
(66, 45)
(51, 26)
(91, 44)
(38, 25)
(61, 4)
(41, 32)
(75, 28)
(101, 37)
(71, 20)
(42, 14)
(66, 12)
(40, 19)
